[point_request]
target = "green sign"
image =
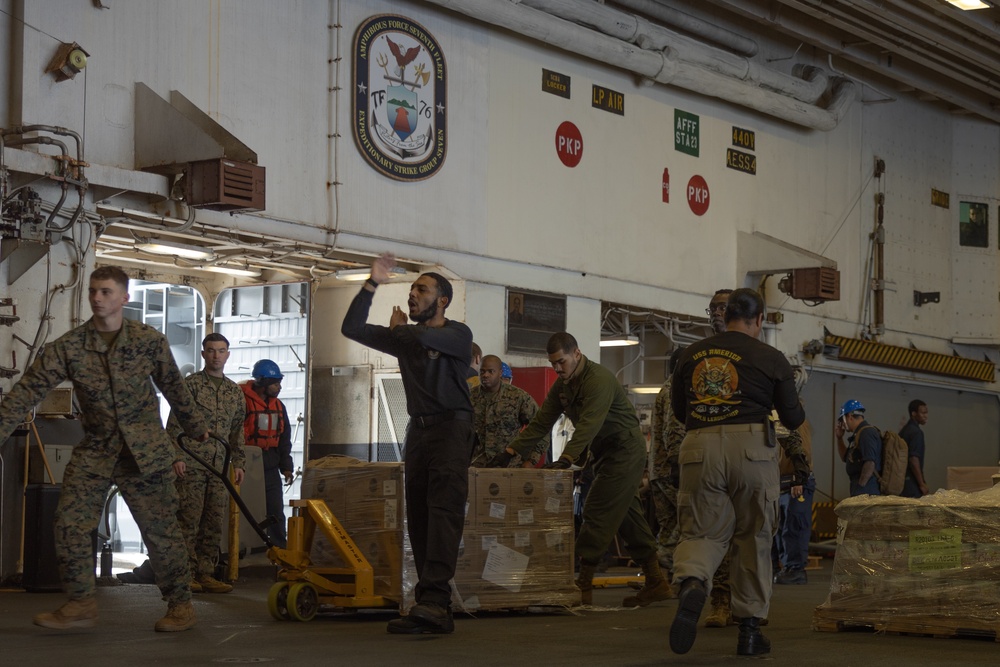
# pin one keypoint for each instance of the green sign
(686, 132)
(932, 550)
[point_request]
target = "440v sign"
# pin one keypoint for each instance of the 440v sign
(400, 116)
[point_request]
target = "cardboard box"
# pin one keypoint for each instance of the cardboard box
(492, 496)
(516, 549)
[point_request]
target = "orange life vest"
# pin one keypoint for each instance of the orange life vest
(265, 421)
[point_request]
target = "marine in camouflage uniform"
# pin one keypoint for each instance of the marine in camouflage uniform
(668, 433)
(500, 415)
(124, 444)
(203, 496)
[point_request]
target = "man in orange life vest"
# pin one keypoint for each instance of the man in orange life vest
(267, 427)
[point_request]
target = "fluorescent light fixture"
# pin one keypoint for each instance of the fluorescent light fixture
(232, 270)
(619, 341)
(645, 388)
(365, 273)
(160, 247)
(966, 5)
(353, 274)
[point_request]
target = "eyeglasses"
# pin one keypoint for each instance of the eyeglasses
(715, 307)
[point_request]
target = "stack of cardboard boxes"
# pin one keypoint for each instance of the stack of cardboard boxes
(367, 499)
(902, 563)
(517, 546)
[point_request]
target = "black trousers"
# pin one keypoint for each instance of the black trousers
(437, 488)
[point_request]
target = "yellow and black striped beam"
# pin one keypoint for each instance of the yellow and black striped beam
(879, 354)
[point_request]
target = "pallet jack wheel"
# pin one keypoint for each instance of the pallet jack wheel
(277, 601)
(303, 601)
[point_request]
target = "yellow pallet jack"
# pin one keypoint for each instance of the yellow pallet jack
(302, 588)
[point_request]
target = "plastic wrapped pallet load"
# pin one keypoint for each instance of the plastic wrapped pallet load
(517, 546)
(928, 565)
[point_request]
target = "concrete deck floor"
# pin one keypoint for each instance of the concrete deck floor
(236, 628)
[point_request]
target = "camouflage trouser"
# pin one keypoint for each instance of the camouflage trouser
(153, 502)
(665, 503)
(720, 582)
(203, 506)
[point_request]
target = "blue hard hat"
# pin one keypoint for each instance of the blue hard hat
(505, 371)
(851, 406)
(265, 368)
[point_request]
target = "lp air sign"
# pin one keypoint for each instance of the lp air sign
(569, 144)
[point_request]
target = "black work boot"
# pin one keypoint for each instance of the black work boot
(751, 641)
(691, 600)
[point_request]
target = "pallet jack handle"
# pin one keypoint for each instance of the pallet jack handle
(224, 476)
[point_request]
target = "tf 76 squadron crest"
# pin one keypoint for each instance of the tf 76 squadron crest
(399, 98)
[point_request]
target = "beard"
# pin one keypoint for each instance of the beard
(425, 314)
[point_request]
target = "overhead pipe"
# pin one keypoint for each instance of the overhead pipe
(690, 24)
(631, 28)
(906, 73)
(967, 28)
(78, 179)
(840, 19)
(64, 157)
(942, 63)
(658, 66)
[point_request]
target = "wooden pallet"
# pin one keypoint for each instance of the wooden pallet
(814, 563)
(831, 620)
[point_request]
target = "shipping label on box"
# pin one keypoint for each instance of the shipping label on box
(935, 549)
(492, 497)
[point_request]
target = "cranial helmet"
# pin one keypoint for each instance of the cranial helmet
(265, 368)
(851, 406)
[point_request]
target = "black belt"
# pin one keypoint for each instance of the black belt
(427, 421)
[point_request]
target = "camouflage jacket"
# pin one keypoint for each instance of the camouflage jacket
(118, 403)
(799, 440)
(225, 408)
(668, 433)
(499, 418)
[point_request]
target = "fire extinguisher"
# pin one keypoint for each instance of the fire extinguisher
(666, 186)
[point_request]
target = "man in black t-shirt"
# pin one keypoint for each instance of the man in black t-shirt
(434, 356)
(915, 486)
(725, 388)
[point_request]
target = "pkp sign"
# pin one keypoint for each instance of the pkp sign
(569, 144)
(697, 195)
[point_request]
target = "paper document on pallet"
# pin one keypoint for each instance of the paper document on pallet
(505, 567)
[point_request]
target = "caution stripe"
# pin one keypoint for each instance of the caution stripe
(880, 354)
(824, 520)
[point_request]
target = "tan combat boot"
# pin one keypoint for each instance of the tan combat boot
(180, 616)
(210, 584)
(720, 616)
(585, 582)
(73, 614)
(655, 589)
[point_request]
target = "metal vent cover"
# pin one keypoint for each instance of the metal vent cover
(225, 185)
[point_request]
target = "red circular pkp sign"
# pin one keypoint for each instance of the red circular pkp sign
(569, 144)
(697, 195)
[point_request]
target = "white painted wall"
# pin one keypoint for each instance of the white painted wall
(503, 211)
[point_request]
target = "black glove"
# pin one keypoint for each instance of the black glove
(801, 470)
(501, 460)
(558, 464)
